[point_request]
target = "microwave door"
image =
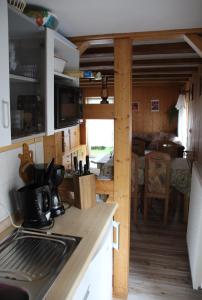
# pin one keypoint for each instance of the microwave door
(66, 107)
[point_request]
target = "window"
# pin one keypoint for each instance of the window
(96, 100)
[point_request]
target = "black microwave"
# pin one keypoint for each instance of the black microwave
(68, 105)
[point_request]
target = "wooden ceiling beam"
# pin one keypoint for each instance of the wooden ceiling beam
(195, 41)
(146, 49)
(139, 36)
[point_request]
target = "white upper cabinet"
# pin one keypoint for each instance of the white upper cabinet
(5, 125)
(58, 46)
(27, 82)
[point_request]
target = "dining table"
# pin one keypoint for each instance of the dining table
(105, 164)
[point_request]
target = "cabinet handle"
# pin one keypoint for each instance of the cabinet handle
(5, 110)
(116, 226)
(87, 293)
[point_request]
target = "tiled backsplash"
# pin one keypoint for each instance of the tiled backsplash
(9, 176)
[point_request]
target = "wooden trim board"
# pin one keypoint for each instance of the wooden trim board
(19, 144)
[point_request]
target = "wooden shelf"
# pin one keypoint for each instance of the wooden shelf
(61, 75)
(19, 78)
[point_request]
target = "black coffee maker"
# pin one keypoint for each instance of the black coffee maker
(36, 202)
(51, 175)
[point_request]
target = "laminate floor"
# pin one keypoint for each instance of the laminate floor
(159, 267)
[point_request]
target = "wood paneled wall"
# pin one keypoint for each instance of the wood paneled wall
(145, 120)
(194, 117)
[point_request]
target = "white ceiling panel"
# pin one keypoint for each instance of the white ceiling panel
(87, 17)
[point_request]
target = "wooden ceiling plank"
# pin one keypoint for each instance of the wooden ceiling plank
(195, 41)
(147, 62)
(145, 49)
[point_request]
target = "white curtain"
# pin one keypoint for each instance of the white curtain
(182, 119)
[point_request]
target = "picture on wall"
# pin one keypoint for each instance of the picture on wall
(155, 105)
(135, 106)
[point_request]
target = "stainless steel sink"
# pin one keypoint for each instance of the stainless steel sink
(31, 260)
(12, 293)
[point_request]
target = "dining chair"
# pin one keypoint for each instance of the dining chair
(157, 180)
(139, 146)
(136, 188)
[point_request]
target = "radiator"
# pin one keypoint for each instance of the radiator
(194, 229)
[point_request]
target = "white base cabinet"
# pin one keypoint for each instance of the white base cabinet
(97, 281)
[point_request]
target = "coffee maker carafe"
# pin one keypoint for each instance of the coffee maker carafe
(36, 201)
(55, 179)
(51, 175)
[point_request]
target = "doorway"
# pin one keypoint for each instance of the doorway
(100, 143)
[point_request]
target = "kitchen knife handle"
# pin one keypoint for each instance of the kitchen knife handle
(75, 164)
(87, 164)
(80, 168)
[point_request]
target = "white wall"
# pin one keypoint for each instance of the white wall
(194, 228)
(9, 176)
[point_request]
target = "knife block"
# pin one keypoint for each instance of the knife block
(84, 191)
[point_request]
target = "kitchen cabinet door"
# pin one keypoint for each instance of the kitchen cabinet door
(101, 270)
(5, 128)
(97, 281)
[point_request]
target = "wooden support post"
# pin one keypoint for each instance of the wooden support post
(122, 159)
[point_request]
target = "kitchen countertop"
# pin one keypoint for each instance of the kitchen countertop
(89, 224)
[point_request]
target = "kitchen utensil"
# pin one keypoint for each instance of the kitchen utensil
(26, 164)
(84, 191)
